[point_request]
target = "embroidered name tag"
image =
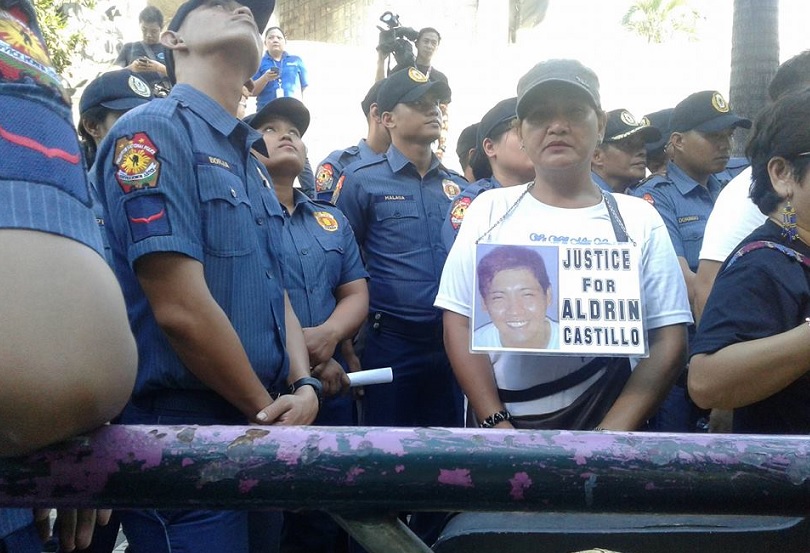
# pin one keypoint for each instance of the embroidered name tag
(688, 219)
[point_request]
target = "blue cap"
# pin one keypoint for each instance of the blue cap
(119, 90)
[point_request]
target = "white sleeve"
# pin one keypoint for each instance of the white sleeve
(733, 217)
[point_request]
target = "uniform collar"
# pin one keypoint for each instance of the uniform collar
(365, 149)
(215, 115)
(299, 198)
(686, 184)
(398, 161)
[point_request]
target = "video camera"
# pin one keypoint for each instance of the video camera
(396, 39)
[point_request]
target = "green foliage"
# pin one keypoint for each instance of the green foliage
(61, 40)
(659, 20)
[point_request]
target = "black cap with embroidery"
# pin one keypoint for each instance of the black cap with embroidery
(261, 9)
(570, 72)
(621, 124)
(705, 111)
(119, 90)
(407, 85)
(287, 107)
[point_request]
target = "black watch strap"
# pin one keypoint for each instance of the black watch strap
(308, 381)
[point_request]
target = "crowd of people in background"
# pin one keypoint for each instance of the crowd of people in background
(250, 286)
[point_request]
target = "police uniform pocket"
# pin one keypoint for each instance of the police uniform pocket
(692, 229)
(330, 242)
(226, 213)
(402, 219)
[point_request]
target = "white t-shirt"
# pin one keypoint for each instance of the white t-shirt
(664, 296)
(733, 217)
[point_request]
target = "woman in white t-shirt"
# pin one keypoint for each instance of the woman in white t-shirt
(560, 124)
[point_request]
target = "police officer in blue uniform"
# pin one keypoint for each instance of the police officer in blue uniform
(701, 125)
(326, 281)
(620, 161)
(497, 161)
(194, 229)
(70, 320)
(396, 204)
(376, 142)
(465, 148)
(658, 151)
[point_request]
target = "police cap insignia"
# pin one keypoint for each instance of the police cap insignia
(326, 220)
(137, 166)
(139, 87)
(628, 118)
(416, 75)
(719, 103)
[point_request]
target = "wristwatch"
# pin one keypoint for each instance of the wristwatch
(308, 381)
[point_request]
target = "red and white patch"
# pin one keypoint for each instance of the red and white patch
(648, 198)
(458, 210)
(324, 180)
(338, 186)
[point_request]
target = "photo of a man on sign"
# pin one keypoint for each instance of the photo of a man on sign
(517, 299)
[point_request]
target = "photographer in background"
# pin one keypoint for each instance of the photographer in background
(395, 40)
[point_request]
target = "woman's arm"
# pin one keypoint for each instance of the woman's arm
(746, 372)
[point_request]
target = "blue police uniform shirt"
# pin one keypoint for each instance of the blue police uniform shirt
(43, 185)
(292, 81)
(684, 205)
(178, 176)
(397, 217)
(600, 182)
(330, 169)
(320, 254)
(455, 215)
(98, 213)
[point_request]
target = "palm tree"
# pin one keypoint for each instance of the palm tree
(754, 58)
(660, 20)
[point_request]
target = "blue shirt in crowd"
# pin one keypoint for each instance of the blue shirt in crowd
(292, 81)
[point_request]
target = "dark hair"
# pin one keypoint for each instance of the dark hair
(150, 14)
(782, 129)
(791, 76)
(502, 258)
(428, 30)
(479, 162)
(96, 114)
(276, 28)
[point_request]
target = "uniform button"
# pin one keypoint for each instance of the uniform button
(396, 214)
(269, 274)
(375, 326)
(233, 193)
(377, 316)
(304, 251)
(259, 220)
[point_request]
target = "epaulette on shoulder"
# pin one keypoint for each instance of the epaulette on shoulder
(363, 163)
(652, 180)
(324, 203)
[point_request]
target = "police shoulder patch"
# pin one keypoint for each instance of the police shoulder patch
(458, 210)
(451, 189)
(147, 216)
(648, 198)
(338, 186)
(136, 163)
(324, 179)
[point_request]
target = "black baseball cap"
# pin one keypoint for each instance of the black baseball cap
(407, 85)
(660, 120)
(570, 72)
(371, 97)
(119, 90)
(262, 10)
(621, 124)
(705, 111)
(287, 107)
(499, 115)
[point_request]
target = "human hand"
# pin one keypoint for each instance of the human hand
(332, 377)
(75, 526)
(353, 364)
(272, 74)
(299, 408)
(321, 344)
